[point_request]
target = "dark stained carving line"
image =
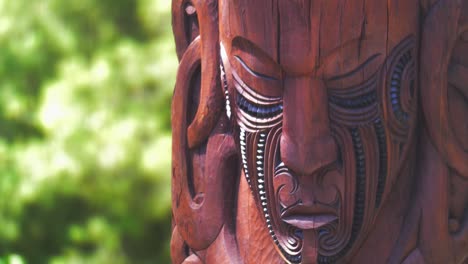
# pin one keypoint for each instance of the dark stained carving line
(356, 69)
(254, 73)
(382, 144)
(356, 102)
(255, 110)
(360, 198)
(395, 86)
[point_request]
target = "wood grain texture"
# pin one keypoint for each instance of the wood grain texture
(313, 131)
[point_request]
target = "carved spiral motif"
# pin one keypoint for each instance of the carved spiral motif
(287, 239)
(293, 245)
(360, 199)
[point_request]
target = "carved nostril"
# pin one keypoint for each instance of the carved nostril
(288, 155)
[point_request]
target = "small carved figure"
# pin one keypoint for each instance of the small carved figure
(312, 131)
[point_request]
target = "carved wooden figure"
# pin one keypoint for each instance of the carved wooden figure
(320, 131)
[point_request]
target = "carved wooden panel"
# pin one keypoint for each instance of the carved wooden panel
(320, 131)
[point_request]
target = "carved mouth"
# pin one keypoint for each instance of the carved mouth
(309, 217)
(309, 221)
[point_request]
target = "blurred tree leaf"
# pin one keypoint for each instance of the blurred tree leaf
(85, 90)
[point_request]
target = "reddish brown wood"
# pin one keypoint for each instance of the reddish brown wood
(320, 131)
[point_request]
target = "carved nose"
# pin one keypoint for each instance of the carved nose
(307, 158)
(306, 142)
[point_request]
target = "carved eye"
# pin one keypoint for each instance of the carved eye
(359, 96)
(258, 111)
(267, 85)
(362, 101)
(259, 107)
(355, 105)
(254, 111)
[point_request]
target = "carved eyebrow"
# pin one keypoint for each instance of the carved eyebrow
(364, 64)
(254, 73)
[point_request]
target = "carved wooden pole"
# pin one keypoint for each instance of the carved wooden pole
(320, 131)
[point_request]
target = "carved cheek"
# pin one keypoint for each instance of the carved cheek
(332, 186)
(286, 189)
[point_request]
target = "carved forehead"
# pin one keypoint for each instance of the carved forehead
(301, 35)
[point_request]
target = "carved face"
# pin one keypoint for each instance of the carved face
(323, 97)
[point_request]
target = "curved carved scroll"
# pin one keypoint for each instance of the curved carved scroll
(187, 17)
(443, 75)
(438, 41)
(200, 176)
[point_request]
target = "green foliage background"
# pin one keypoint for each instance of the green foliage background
(85, 90)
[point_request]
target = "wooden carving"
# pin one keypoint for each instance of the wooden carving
(320, 131)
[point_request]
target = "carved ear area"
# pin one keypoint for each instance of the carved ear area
(443, 78)
(181, 107)
(211, 94)
(192, 28)
(463, 22)
(457, 78)
(185, 25)
(190, 20)
(200, 175)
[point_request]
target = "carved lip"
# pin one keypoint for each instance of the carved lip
(309, 217)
